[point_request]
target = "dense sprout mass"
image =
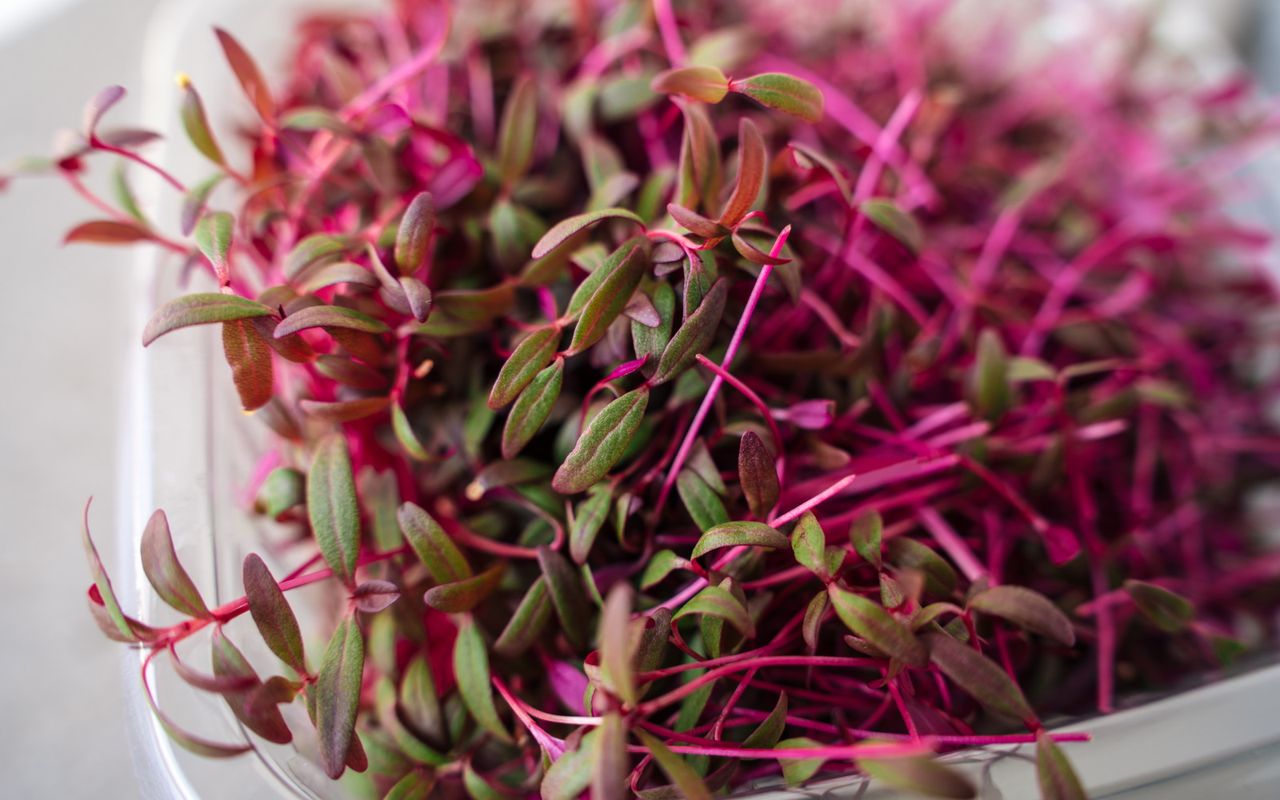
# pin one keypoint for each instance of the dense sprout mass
(696, 395)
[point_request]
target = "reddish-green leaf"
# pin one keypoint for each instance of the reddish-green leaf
(865, 535)
(315, 249)
(809, 158)
(414, 234)
(213, 237)
(107, 231)
(190, 742)
(343, 410)
(1027, 609)
(532, 408)
(1057, 778)
(480, 788)
(891, 219)
(752, 161)
(694, 336)
(871, 622)
(919, 774)
(415, 785)
(567, 595)
(716, 601)
(334, 274)
(809, 544)
(978, 675)
(165, 573)
(570, 775)
(660, 566)
(405, 436)
(194, 201)
(248, 74)
(332, 507)
(603, 443)
(799, 770)
(703, 83)
(611, 763)
(200, 309)
(785, 93)
(699, 174)
(567, 229)
(907, 553)
(695, 223)
(516, 133)
(770, 730)
(733, 534)
(329, 317)
(272, 614)
(533, 353)
(814, 613)
(757, 474)
(527, 622)
(471, 667)
(989, 389)
(617, 645)
(263, 718)
(437, 551)
(685, 779)
(624, 268)
(1168, 611)
(337, 692)
(466, 594)
(196, 123)
(703, 504)
(249, 357)
(647, 341)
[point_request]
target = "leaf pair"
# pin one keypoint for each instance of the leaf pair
(776, 90)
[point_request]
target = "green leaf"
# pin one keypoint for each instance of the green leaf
(752, 162)
(196, 123)
(1168, 611)
(989, 389)
(533, 353)
(719, 602)
(272, 614)
(891, 219)
(649, 342)
(419, 701)
(329, 317)
(414, 234)
(516, 132)
(570, 775)
(567, 596)
(471, 667)
(165, 572)
(978, 675)
(332, 507)
(1057, 778)
(682, 776)
(660, 566)
(527, 622)
(200, 309)
(811, 627)
(906, 553)
(315, 118)
(587, 519)
(919, 774)
(567, 229)
(617, 645)
(405, 436)
(532, 408)
(123, 193)
(871, 622)
(702, 83)
(694, 336)
(603, 443)
(478, 787)
(785, 93)
(283, 489)
(732, 534)
(123, 628)
(1027, 609)
(625, 268)
(194, 201)
(248, 74)
(799, 770)
(338, 695)
(865, 535)
(809, 544)
(611, 763)
(415, 785)
(701, 501)
(465, 594)
(249, 356)
(434, 547)
(757, 474)
(315, 249)
(602, 269)
(770, 730)
(213, 237)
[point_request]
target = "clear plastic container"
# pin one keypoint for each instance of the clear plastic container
(188, 449)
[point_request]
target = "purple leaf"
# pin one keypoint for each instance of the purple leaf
(337, 692)
(249, 357)
(1027, 609)
(329, 317)
(165, 572)
(373, 596)
(757, 474)
(98, 106)
(272, 614)
(344, 410)
(414, 234)
(978, 675)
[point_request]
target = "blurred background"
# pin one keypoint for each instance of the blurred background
(63, 342)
